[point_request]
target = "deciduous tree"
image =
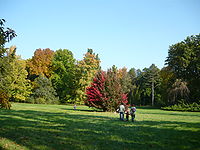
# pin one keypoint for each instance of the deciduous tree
(184, 60)
(64, 76)
(5, 68)
(40, 63)
(87, 68)
(106, 91)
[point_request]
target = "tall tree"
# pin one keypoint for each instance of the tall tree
(184, 60)
(5, 36)
(148, 80)
(88, 67)
(64, 75)
(153, 78)
(125, 80)
(167, 80)
(106, 91)
(96, 94)
(5, 68)
(133, 95)
(113, 87)
(40, 63)
(20, 85)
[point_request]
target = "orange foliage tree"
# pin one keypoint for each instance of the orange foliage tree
(40, 63)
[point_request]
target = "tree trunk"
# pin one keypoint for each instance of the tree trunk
(152, 92)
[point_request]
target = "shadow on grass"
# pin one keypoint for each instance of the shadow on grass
(48, 130)
(86, 110)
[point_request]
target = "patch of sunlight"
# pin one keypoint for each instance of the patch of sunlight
(11, 145)
(180, 128)
(42, 129)
(116, 138)
(82, 130)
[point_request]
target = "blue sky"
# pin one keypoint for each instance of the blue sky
(125, 33)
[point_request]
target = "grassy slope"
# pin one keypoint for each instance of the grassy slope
(58, 127)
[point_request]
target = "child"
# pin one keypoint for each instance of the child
(132, 112)
(127, 112)
(74, 106)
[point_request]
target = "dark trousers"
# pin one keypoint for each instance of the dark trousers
(121, 116)
(133, 117)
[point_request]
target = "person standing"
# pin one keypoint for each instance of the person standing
(121, 112)
(132, 112)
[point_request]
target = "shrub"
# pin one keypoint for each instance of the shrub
(183, 107)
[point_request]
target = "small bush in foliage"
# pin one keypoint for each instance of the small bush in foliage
(4, 100)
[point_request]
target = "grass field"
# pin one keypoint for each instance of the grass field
(57, 127)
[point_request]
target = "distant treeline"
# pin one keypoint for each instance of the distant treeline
(56, 77)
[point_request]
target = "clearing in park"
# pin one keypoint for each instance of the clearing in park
(37, 127)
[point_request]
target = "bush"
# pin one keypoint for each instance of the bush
(40, 100)
(183, 107)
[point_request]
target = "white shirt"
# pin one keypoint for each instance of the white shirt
(121, 108)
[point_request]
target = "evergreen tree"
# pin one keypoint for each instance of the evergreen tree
(147, 81)
(43, 91)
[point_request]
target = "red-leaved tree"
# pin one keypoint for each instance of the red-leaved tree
(96, 94)
(106, 91)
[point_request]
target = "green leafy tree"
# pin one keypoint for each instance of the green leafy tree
(134, 94)
(125, 80)
(167, 79)
(5, 67)
(184, 60)
(43, 91)
(179, 91)
(64, 75)
(153, 79)
(20, 87)
(148, 80)
(5, 36)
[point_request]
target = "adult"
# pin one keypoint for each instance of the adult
(121, 111)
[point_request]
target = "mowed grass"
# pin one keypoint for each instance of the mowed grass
(59, 127)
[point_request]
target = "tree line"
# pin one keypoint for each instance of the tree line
(56, 77)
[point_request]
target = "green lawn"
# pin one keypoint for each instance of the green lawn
(57, 127)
